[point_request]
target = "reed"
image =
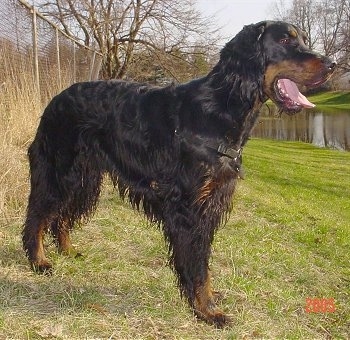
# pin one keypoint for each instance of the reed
(21, 105)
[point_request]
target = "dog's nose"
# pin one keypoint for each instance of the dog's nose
(331, 65)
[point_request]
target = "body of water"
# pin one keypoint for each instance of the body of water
(323, 129)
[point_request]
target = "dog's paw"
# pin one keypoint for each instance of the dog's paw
(42, 267)
(214, 316)
(70, 252)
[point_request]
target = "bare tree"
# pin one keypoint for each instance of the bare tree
(343, 41)
(121, 28)
(330, 18)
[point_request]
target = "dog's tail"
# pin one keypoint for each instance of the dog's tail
(64, 172)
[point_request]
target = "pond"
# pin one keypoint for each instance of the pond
(321, 128)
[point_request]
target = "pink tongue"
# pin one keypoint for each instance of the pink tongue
(291, 89)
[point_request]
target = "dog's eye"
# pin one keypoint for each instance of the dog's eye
(285, 41)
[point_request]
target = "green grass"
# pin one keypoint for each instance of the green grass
(338, 100)
(288, 239)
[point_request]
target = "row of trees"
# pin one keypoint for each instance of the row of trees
(146, 39)
(327, 23)
(139, 38)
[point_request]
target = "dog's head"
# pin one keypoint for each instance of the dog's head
(290, 63)
(275, 56)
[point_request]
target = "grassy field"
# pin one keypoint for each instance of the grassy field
(334, 100)
(287, 240)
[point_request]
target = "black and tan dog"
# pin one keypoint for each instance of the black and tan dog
(173, 152)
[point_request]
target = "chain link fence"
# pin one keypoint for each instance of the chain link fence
(33, 51)
(37, 61)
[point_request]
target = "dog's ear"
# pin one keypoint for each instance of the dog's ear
(261, 26)
(246, 43)
(243, 59)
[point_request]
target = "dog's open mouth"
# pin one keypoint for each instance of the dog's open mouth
(289, 97)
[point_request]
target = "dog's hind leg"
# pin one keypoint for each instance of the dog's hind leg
(43, 207)
(36, 225)
(60, 229)
(33, 241)
(40, 213)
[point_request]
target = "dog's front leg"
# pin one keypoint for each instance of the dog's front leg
(204, 303)
(190, 252)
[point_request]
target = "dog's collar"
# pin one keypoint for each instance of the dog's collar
(223, 150)
(229, 151)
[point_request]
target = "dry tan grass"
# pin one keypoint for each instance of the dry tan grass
(21, 106)
(19, 111)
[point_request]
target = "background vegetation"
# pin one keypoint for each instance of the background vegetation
(177, 38)
(334, 100)
(139, 39)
